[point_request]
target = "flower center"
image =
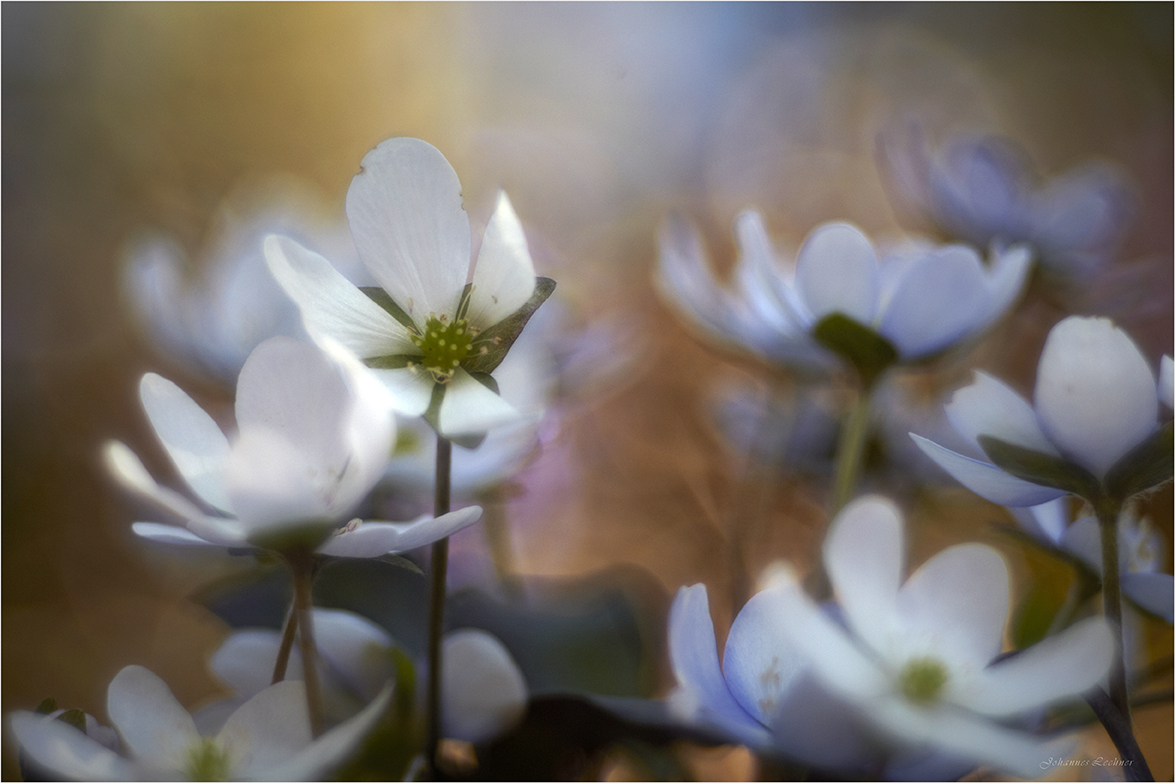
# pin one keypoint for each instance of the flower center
(444, 344)
(207, 761)
(922, 680)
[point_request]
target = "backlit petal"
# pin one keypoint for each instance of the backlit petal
(990, 407)
(760, 663)
(64, 750)
(484, 691)
(985, 479)
(372, 539)
(128, 470)
(267, 729)
(470, 407)
(314, 761)
(503, 279)
(864, 554)
(156, 728)
(836, 272)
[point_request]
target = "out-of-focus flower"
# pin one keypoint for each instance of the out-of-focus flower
(1096, 402)
(982, 189)
(314, 432)
(267, 738)
(917, 302)
(433, 339)
(915, 659)
(1166, 382)
(212, 318)
(485, 693)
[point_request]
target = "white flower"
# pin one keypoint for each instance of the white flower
(981, 189)
(916, 659)
(1095, 400)
(920, 300)
(210, 319)
(267, 738)
(314, 433)
(484, 692)
(432, 343)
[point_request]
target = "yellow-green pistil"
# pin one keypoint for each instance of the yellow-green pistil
(922, 680)
(445, 344)
(207, 761)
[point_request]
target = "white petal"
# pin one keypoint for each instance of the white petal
(192, 439)
(1153, 592)
(267, 729)
(760, 277)
(990, 407)
(404, 207)
(693, 653)
(356, 649)
(128, 471)
(940, 299)
(1165, 382)
(760, 662)
(836, 272)
(331, 305)
(149, 719)
(470, 408)
(1061, 666)
(964, 735)
(245, 660)
(65, 751)
(272, 483)
(484, 692)
(169, 534)
(1006, 275)
(372, 539)
(1095, 393)
(957, 603)
(985, 479)
(329, 750)
(503, 278)
(1084, 540)
(1047, 521)
(410, 392)
(864, 554)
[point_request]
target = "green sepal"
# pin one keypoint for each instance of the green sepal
(384, 300)
(401, 562)
(1040, 468)
(294, 538)
(46, 706)
(75, 718)
(870, 353)
(1146, 465)
(506, 331)
(395, 362)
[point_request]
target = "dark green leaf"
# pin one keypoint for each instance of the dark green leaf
(870, 353)
(1146, 465)
(498, 338)
(384, 300)
(1040, 468)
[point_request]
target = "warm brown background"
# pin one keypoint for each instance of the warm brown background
(596, 118)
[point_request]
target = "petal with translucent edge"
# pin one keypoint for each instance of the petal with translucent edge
(1166, 382)
(985, 479)
(469, 407)
(169, 534)
(685, 280)
(864, 554)
(356, 649)
(1153, 592)
(836, 272)
(1059, 667)
(1095, 393)
(1048, 520)
(193, 441)
(66, 751)
(940, 299)
(760, 663)
(372, 539)
(410, 390)
(760, 276)
(331, 305)
(404, 207)
(149, 719)
(693, 653)
(829, 651)
(1008, 271)
(128, 470)
(954, 606)
(484, 691)
(273, 483)
(967, 736)
(317, 759)
(245, 660)
(503, 278)
(267, 729)
(990, 407)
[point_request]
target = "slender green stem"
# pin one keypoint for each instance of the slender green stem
(1107, 517)
(1121, 733)
(302, 565)
(283, 652)
(436, 609)
(851, 449)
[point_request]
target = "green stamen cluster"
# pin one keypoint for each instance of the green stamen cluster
(207, 761)
(444, 344)
(922, 680)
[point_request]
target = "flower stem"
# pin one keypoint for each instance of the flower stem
(436, 609)
(1107, 517)
(302, 565)
(850, 451)
(283, 652)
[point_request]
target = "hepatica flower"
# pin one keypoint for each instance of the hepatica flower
(915, 659)
(871, 310)
(437, 327)
(267, 738)
(314, 430)
(1092, 431)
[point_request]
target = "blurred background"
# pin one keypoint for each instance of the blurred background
(597, 119)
